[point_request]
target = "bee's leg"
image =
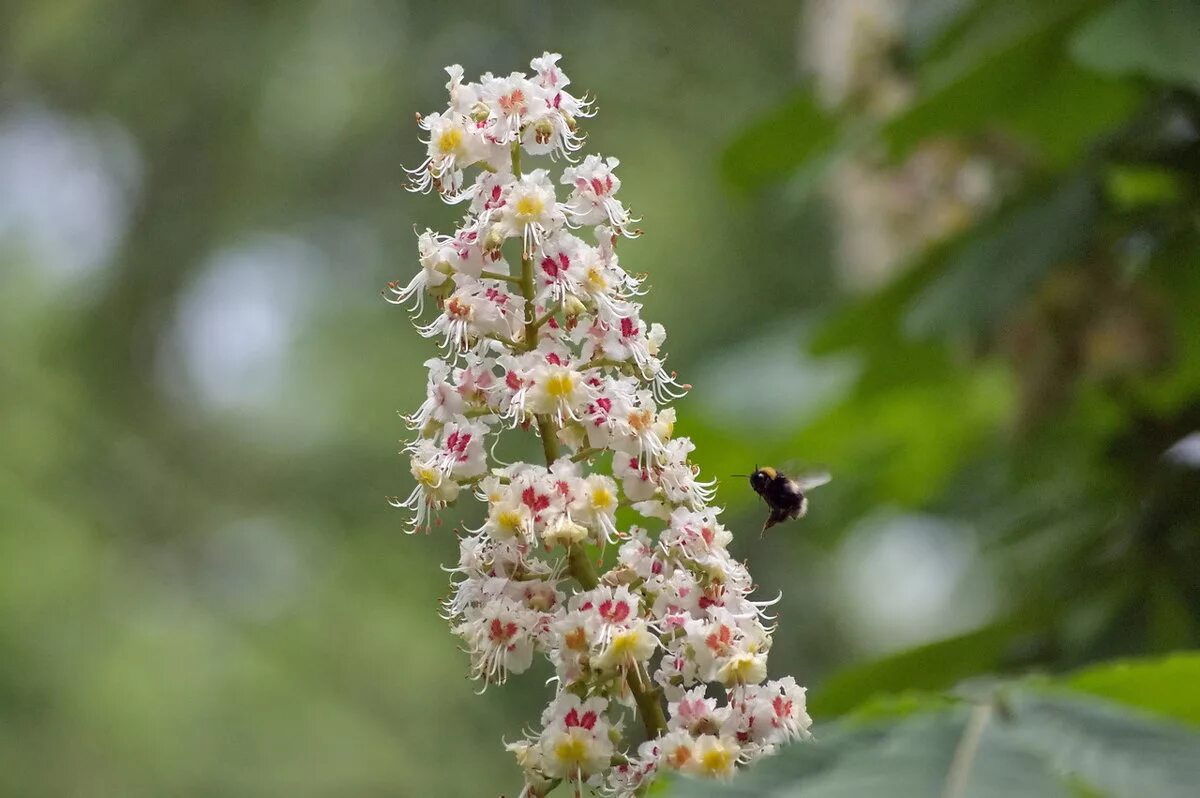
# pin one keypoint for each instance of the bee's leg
(774, 518)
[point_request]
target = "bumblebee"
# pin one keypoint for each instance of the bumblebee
(784, 494)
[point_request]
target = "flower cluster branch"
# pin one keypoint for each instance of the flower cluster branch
(541, 331)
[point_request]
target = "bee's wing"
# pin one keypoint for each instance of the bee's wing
(812, 479)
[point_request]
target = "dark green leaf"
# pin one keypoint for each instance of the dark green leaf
(998, 267)
(1115, 752)
(778, 144)
(1031, 744)
(1027, 87)
(1158, 39)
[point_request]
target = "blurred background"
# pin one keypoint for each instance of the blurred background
(948, 249)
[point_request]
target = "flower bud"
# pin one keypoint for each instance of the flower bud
(573, 307)
(564, 532)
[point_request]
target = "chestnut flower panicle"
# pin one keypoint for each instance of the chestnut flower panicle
(540, 329)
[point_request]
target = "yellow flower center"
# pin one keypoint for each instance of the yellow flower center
(509, 520)
(450, 140)
(717, 760)
(596, 279)
(560, 384)
(573, 750)
(428, 477)
(602, 498)
(624, 644)
(528, 207)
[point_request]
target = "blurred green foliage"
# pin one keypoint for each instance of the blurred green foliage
(202, 589)
(1078, 299)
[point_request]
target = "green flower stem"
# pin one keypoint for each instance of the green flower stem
(555, 308)
(601, 362)
(510, 343)
(498, 276)
(584, 454)
(649, 702)
(646, 697)
(549, 438)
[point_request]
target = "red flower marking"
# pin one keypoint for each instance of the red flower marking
(512, 380)
(782, 707)
(602, 187)
(721, 640)
(563, 488)
(573, 719)
(513, 102)
(501, 632)
(628, 328)
(554, 359)
(555, 266)
(456, 442)
(494, 201)
(533, 501)
(613, 611)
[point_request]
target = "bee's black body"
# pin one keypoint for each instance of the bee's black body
(781, 493)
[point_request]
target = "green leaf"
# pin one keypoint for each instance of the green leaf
(999, 266)
(1158, 39)
(778, 144)
(1030, 744)
(1111, 750)
(1028, 87)
(936, 666)
(1151, 684)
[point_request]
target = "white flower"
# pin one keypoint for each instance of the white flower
(531, 212)
(443, 401)
(558, 391)
(508, 519)
(463, 448)
(676, 750)
(713, 757)
(510, 102)
(597, 505)
(628, 647)
(575, 743)
(592, 201)
(500, 640)
(694, 713)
